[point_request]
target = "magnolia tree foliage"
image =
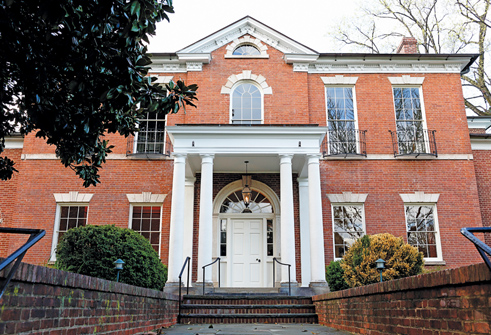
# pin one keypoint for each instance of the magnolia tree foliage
(401, 260)
(75, 70)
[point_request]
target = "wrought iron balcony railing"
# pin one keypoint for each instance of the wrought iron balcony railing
(344, 143)
(414, 142)
(149, 146)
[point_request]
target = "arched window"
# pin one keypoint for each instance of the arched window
(234, 203)
(246, 104)
(246, 50)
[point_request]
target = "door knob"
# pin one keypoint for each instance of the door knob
(258, 260)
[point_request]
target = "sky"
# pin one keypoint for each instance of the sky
(306, 21)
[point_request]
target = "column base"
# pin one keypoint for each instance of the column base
(319, 287)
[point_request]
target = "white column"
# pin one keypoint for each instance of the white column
(303, 199)
(317, 259)
(176, 235)
(287, 219)
(205, 243)
(188, 225)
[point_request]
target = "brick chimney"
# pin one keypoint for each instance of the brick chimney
(408, 45)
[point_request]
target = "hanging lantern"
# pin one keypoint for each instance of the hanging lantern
(246, 189)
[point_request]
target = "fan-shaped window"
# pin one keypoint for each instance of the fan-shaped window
(234, 203)
(246, 50)
(246, 105)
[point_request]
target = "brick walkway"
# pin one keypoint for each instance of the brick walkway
(252, 329)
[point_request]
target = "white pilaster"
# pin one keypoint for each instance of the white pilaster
(317, 259)
(303, 194)
(205, 245)
(176, 235)
(287, 219)
(188, 224)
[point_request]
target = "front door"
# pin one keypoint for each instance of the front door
(247, 253)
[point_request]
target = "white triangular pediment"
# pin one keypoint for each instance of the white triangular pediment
(247, 26)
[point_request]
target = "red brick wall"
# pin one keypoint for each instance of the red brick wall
(383, 181)
(46, 301)
(482, 162)
(450, 302)
(8, 199)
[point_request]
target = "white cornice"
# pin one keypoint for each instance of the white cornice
(361, 65)
(14, 142)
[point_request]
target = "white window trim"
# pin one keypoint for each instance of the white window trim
(247, 40)
(239, 83)
(340, 81)
(410, 82)
(67, 199)
(246, 75)
(147, 199)
(362, 204)
(429, 260)
(426, 199)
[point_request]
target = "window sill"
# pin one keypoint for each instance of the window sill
(145, 156)
(342, 157)
(435, 262)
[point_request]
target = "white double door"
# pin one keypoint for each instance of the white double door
(248, 257)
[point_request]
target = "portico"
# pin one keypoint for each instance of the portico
(247, 240)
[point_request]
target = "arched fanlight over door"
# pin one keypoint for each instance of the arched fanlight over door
(234, 203)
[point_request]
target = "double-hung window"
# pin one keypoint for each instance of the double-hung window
(348, 226)
(409, 120)
(72, 211)
(151, 134)
(422, 229)
(146, 220)
(341, 120)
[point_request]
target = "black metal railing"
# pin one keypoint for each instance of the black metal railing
(414, 142)
(136, 146)
(35, 236)
(289, 276)
(186, 263)
(481, 247)
(216, 260)
(345, 143)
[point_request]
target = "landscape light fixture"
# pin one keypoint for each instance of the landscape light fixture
(246, 190)
(119, 266)
(380, 267)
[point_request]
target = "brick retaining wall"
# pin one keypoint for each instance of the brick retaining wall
(449, 302)
(41, 300)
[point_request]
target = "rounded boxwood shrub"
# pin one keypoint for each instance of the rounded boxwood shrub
(335, 276)
(91, 250)
(401, 260)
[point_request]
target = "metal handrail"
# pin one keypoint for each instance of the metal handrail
(186, 262)
(216, 260)
(480, 245)
(289, 277)
(35, 236)
(346, 142)
(412, 142)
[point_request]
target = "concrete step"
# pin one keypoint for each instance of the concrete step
(247, 290)
(250, 318)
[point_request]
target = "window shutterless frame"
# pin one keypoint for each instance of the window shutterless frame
(338, 223)
(341, 111)
(400, 120)
(246, 103)
(150, 231)
(414, 221)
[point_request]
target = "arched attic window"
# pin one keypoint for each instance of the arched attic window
(234, 203)
(247, 104)
(246, 50)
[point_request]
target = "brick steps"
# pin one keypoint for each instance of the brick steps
(251, 308)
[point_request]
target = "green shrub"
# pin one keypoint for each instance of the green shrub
(91, 250)
(401, 260)
(335, 276)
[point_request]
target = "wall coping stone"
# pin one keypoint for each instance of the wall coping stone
(463, 275)
(43, 275)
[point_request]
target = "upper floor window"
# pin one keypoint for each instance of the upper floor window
(246, 50)
(409, 120)
(151, 134)
(343, 136)
(247, 103)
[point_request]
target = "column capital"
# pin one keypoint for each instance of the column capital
(189, 181)
(286, 158)
(303, 181)
(179, 157)
(207, 156)
(314, 157)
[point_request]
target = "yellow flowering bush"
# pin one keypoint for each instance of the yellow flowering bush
(401, 260)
